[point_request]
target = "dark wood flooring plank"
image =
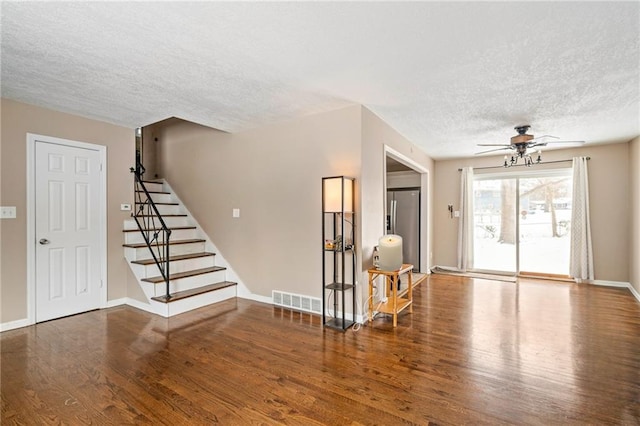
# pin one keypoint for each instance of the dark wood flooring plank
(474, 351)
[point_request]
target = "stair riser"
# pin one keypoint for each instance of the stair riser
(190, 282)
(140, 197)
(176, 266)
(146, 271)
(170, 221)
(157, 198)
(130, 224)
(162, 198)
(191, 303)
(143, 252)
(165, 209)
(154, 186)
(176, 234)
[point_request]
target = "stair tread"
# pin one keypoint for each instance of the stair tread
(175, 258)
(143, 245)
(173, 228)
(164, 215)
(156, 192)
(185, 274)
(161, 204)
(193, 292)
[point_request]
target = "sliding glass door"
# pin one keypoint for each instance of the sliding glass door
(545, 215)
(494, 231)
(521, 222)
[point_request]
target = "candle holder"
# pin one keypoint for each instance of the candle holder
(390, 252)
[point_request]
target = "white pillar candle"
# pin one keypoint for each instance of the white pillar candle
(390, 252)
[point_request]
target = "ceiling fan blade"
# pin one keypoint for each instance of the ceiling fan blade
(543, 137)
(533, 145)
(492, 150)
(577, 142)
(506, 145)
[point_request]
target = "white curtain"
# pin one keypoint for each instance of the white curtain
(465, 224)
(581, 261)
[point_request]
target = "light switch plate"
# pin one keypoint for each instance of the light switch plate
(236, 212)
(7, 212)
(456, 213)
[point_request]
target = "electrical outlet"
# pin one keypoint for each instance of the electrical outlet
(8, 212)
(236, 212)
(125, 207)
(456, 213)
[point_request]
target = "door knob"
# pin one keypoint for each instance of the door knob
(44, 241)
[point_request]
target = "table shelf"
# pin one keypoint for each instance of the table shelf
(397, 300)
(388, 308)
(339, 286)
(336, 323)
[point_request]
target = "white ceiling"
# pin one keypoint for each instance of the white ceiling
(445, 75)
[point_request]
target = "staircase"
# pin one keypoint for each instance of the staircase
(194, 280)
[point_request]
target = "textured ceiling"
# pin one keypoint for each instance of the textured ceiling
(445, 75)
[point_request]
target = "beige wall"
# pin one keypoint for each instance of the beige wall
(375, 135)
(609, 197)
(149, 152)
(18, 119)
(407, 179)
(634, 211)
(273, 175)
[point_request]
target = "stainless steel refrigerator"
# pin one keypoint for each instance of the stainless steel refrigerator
(403, 218)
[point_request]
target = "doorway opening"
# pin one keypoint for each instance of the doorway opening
(406, 186)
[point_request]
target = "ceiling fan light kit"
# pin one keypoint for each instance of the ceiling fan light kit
(528, 161)
(520, 143)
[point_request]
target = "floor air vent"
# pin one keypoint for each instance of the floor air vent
(297, 302)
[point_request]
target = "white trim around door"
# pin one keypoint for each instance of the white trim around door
(32, 140)
(425, 196)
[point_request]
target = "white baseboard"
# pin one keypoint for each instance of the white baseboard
(635, 292)
(142, 306)
(133, 303)
(605, 283)
(256, 298)
(618, 284)
(12, 325)
(116, 302)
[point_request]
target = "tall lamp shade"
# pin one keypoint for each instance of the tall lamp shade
(335, 191)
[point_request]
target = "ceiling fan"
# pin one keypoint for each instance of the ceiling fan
(521, 142)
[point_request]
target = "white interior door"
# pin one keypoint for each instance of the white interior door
(67, 230)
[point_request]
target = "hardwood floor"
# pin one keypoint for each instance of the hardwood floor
(474, 351)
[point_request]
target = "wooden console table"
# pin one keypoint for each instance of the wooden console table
(395, 302)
